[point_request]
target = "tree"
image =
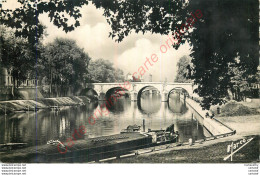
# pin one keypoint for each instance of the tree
(227, 31)
(65, 64)
(16, 57)
(25, 18)
(183, 70)
(103, 71)
(227, 37)
(241, 86)
(119, 75)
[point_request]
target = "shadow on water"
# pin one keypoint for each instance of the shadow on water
(117, 100)
(119, 106)
(149, 103)
(175, 105)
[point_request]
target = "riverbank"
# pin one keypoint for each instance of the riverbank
(213, 151)
(243, 116)
(208, 152)
(12, 106)
(214, 126)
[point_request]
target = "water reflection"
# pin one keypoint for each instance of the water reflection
(38, 128)
(175, 105)
(118, 107)
(149, 103)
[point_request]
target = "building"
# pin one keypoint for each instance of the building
(6, 80)
(6, 84)
(129, 77)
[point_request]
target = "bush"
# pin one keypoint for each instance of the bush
(237, 109)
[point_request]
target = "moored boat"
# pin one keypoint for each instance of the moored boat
(113, 145)
(93, 149)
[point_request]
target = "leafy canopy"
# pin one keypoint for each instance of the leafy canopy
(183, 71)
(102, 71)
(226, 35)
(25, 18)
(66, 60)
(16, 55)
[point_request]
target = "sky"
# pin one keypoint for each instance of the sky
(128, 55)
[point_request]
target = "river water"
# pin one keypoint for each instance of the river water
(37, 128)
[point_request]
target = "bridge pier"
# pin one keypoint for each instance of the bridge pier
(164, 96)
(133, 95)
(101, 96)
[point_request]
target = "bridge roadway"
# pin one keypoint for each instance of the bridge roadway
(136, 88)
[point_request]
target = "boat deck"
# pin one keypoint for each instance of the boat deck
(88, 149)
(88, 143)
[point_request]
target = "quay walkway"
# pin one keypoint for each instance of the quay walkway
(213, 125)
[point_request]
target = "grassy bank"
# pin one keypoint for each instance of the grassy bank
(214, 153)
(234, 108)
(13, 106)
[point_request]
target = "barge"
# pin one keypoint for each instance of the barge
(95, 149)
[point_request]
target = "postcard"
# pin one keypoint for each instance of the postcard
(134, 82)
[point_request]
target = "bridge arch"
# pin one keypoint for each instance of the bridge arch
(140, 91)
(89, 92)
(179, 89)
(119, 92)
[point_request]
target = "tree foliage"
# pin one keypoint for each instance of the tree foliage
(183, 70)
(226, 35)
(25, 18)
(16, 56)
(64, 64)
(142, 16)
(241, 86)
(103, 71)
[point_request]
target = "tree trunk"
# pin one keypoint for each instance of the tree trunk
(13, 87)
(230, 94)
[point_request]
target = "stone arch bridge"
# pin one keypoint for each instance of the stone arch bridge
(136, 88)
